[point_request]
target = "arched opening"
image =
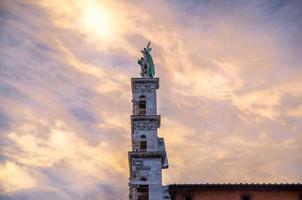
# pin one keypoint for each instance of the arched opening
(143, 192)
(143, 179)
(143, 146)
(143, 137)
(142, 105)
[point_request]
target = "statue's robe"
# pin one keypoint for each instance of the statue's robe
(151, 69)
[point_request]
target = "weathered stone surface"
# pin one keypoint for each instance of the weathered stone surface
(143, 85)
(148, 155)
(145, 124)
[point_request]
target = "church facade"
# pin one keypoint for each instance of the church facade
(148, 156)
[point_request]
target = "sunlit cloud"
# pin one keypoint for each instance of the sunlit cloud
(61, 144)
(230, 93)
(14, 178)
(96, 20)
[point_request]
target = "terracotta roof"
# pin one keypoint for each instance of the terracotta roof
(238, 186)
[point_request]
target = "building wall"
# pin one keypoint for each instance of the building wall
(236, 195)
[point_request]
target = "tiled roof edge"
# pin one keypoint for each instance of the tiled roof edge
(238, 186)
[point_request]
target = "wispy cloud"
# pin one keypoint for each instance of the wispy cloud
(230, 93)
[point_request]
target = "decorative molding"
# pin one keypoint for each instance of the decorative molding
(145, 123)
(144, 85)
(149, 154)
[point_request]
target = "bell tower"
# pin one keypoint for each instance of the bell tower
(148, 156)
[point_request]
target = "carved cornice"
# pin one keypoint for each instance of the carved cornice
(145, 122)
(148, 154)
(144, 85)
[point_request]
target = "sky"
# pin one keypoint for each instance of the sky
(230, 95)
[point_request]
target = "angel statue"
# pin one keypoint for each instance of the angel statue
(146, 63)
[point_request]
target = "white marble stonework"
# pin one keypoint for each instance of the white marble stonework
(148, 156)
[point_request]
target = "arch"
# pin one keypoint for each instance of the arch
(143, 137)
(143, 179)
(143, 192)
(143, 146)
(142, 105)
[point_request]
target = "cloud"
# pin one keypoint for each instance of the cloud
(230, 93)
(20, 181)
(58, 152)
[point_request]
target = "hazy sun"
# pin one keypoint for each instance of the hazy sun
(97, 19)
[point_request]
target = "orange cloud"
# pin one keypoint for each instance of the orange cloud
(230, 93)
(14, 178)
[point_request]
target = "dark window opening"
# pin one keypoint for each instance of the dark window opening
(245, 197)
(143, 137)
(188, 198)
(143, 145)
(143, 192)
(142, 105)
(143, 179)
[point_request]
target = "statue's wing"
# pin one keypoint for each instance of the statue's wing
(148, 45)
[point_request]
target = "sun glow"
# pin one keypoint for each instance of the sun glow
(96, 19)
(14, 177)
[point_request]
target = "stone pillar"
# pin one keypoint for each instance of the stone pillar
(148, 156)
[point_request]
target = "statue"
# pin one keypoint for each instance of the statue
(146, 63)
